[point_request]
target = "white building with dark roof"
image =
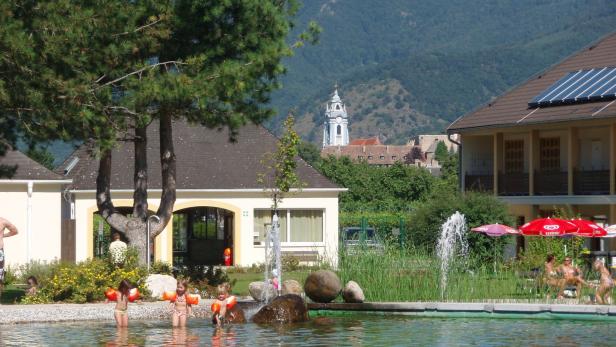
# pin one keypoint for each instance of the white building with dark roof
(219, 202)
(31, 199)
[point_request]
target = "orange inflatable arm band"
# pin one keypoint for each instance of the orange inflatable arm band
(133, 295)
(231, 301)
(111, 294)
(192, 299)
(170, 296)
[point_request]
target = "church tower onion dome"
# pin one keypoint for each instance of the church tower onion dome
(336, 124)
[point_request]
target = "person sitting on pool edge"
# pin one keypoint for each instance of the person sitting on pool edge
(572, 276)
(552, 278)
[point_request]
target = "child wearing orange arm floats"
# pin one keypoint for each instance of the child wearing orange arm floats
(122, 296)
(222, 303)
(181, 305)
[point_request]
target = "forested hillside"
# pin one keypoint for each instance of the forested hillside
(441, 58)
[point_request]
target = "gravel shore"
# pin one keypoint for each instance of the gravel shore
(11, 314)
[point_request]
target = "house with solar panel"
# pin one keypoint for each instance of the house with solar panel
(550, 142)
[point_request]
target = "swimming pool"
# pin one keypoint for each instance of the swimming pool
(348, 330)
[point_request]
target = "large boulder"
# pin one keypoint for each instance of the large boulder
(288, 308)
(352, 292)
(322, 286)
(258, 290)
(158, 284)
(291, 287)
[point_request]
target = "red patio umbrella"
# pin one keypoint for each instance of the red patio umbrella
(548, 227)
(587, 228)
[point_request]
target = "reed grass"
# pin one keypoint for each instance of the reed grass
(413, 275)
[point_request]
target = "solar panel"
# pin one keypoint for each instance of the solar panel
(598, 84)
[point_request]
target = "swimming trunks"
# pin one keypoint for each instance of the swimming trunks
(1, 265)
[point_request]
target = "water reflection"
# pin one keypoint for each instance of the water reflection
(355, 330)
(180, 336)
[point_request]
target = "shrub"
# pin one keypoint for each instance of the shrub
(85, 281)
(161, 267)
(289, 263)
(9, 276)
(204, 278)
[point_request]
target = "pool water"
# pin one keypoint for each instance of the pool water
(356, 330)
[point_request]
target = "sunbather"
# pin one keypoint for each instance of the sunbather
(552, 278)
(572, 276)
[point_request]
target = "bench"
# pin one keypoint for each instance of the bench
(302, 256)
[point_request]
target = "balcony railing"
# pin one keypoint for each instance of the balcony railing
(551, 183)
(596, 182)
(513, 183)
(483, 183)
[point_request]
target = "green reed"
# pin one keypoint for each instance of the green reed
(413, 275)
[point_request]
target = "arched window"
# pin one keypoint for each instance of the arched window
(337, 107)
(338, 130)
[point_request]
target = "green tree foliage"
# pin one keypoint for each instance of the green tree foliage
(104, 70)
(479, 209)
(441, 153)
(376, 188)
(41, 155)
(309, 152)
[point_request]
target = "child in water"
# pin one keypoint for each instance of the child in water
(181, 308)
(121, 308)
(221, 302)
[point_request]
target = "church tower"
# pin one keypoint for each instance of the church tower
(336, 130)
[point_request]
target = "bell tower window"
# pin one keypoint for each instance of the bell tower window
(338, 130)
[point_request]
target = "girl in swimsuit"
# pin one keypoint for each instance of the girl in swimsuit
(606, 284)
(219, 317)
(121, 308)
(181, 308)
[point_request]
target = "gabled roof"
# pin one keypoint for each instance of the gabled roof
(511, 108)
(371, 141)
(28, 169)
(205, 160)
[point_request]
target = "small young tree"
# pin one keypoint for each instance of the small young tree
(280, 178)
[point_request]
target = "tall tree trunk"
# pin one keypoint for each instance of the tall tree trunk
(135, 228)
(167, 168)
(140, 177)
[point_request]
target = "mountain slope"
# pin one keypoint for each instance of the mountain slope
(448, 56)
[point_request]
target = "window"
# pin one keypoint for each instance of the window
(514, 156)
(549, 154)
(382, 157)
(180, 233)
(303, 225)
(369, 157)
(393, 157)
(360, 157)
(338, 130)
(337, 107)
(263, 220)
(306, 226)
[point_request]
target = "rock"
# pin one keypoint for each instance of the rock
(235, 315)
(322, 286)
(291, 287)
(257, 290)
(352, 292)
(288, 308)
(326, 321)
(158, 284)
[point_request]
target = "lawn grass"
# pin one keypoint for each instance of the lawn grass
(243, 279)
(11, 294)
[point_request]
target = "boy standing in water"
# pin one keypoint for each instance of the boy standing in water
(12, 231)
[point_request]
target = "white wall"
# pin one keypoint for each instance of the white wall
(45, 237)
(243, 204)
